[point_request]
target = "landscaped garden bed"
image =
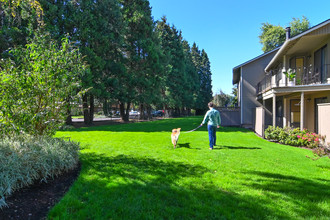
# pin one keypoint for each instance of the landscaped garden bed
(296, 137)
(26, 160)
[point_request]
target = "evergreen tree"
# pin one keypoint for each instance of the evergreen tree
(196, 59)
(142, 58)
(191, 85)
(202, 64)
(235, 96)
(131, 60)
(18, 21)
(206, 81)
(176, 79)
(96, 27)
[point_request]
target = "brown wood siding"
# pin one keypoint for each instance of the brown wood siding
(322, 30)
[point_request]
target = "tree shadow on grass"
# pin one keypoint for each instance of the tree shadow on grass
(127, 187)
(235, 148)
(309, 194)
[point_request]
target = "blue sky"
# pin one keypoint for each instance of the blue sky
(228, 30)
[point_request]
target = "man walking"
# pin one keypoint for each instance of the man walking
(212, 116)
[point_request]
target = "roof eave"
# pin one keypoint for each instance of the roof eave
(283, 47)
(277, 55)
(256, 58)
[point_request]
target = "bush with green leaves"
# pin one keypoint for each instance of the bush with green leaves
(36, 84)
(25, 159)
(293, 136)
(273, 133)
(296, 137)
(322, 151)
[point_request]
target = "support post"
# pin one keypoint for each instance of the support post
(285, 112)
(283, 70)
(274, 109)
(302, 112)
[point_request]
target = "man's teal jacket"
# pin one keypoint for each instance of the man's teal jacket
(213, 117)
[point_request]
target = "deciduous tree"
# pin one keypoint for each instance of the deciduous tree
(273, 36)
(35, 82)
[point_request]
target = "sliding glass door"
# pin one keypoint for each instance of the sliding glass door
(320, 67)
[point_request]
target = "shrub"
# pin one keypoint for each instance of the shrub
(294, 136)
(26, 159)
(273, 133)
(321, 151)
(37, 82)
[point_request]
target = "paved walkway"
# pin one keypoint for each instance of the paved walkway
(95, 119)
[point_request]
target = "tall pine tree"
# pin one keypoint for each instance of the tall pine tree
(191, 85)
(175, 74)
(202, 64)
(142, 54)
(96, 27)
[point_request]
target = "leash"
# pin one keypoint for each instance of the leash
(193, 129)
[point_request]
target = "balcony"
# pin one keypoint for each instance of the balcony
(304, 76)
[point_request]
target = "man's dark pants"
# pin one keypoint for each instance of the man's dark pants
(212, 134)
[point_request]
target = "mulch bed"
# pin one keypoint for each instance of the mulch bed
(35, 201)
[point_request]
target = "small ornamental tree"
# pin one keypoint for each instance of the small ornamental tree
(36, 83)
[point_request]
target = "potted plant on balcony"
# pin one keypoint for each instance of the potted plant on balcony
(291, 75)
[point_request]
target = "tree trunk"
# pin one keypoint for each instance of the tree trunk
(127, 110)
(68, 120)
(166, 113)
(141, 109)
(124, 113)
(91, 109)
(178, 112)
(86, 110)
(149, 112)
(122, 110)
(105, 107)
(183, 113)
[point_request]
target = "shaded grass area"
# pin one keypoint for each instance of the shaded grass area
(131, 171)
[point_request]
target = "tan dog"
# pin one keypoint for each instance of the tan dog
(175, 136)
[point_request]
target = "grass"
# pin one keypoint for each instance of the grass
(131, 171)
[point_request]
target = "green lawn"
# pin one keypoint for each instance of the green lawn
(131, 171)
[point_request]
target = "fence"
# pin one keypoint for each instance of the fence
(323, 122)
(230, 116)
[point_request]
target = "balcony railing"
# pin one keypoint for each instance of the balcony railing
(317, 75)
(265, 84)
(304, 76)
